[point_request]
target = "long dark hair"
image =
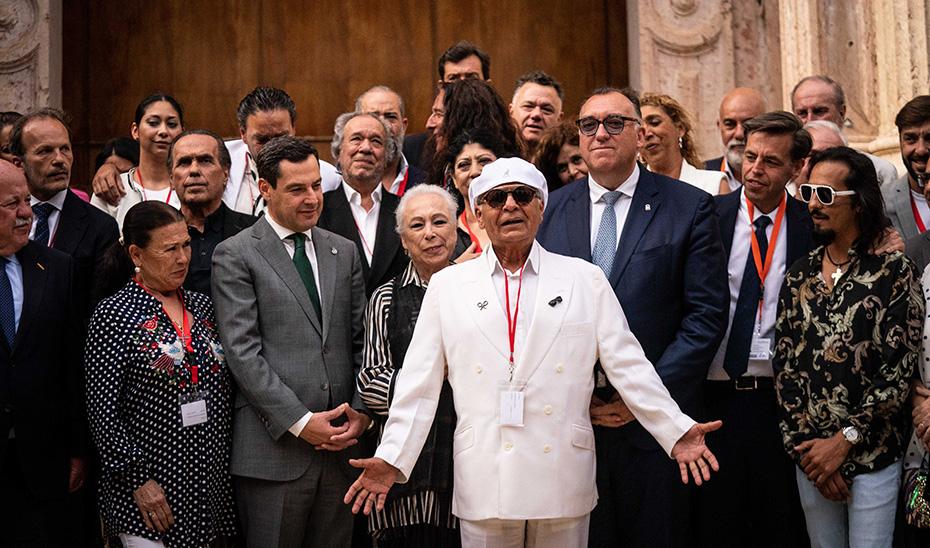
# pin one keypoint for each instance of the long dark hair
(472, 104)
(867, 201)
(141, 220)
(480, 136)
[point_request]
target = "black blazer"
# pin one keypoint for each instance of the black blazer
(40, 375)
(800, 228)
(713, 164)
(387, 258)
(669, 274)
(413, 149)
(85, 233)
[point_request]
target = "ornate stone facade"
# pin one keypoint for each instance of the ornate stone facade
(30, 54)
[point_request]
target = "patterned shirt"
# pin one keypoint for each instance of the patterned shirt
(846, 357)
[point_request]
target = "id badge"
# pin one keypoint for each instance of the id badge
(760, 348)
(511, 404)
(193, 408)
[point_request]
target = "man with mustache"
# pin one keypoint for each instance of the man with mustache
(42, 427)
(289, 299)
(198, 162)
(360, 209)
(737, 106)
(536, 106)
(846, 343)
(906, 199)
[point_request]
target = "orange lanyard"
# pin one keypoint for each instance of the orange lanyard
(763, 268)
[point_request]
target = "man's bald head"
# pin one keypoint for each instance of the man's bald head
(15, 211)
(737, 106)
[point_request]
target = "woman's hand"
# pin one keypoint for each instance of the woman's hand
(150, 498)
(467, 255)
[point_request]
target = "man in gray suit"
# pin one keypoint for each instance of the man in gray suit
(289, 301)
(913, 121)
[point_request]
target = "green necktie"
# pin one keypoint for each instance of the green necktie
(305, 269)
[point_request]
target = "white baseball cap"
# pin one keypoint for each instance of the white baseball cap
(505, 171)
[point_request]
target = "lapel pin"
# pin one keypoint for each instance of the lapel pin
(648, 207)
(333, 250)
(41, 266)
(482, 305)
(555, 301)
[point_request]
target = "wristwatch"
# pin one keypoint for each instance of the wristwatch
(851, 433)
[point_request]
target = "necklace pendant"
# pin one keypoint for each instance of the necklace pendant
(837, 275)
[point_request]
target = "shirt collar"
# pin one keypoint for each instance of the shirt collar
(58, 200)
(627, 188)
(411, 276)
(353, 195)
(282, 232)
(532, 262)
(744, 209)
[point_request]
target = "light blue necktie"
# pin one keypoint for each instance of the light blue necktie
(605, 245)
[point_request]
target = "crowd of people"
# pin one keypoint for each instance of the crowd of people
(516, 328)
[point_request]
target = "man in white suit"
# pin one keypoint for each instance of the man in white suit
(519, 331)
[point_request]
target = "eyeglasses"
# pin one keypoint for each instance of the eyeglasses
(825, 194)
(613, 124)
(497, 197)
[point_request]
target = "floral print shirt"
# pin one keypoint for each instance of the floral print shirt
(846, 357)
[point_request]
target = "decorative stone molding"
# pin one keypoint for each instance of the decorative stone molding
(30, 54)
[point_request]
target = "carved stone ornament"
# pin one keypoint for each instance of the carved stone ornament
(685, 27)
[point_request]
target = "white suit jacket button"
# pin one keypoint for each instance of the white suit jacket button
(508, 446)
(558, 368)
(478, 369)
(547, 409)
(546, 449)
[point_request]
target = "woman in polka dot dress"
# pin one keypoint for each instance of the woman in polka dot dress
(158, 393)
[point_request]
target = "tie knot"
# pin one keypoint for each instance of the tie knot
(611, 197)
(298, 237)
(762, 222)
(43, 209)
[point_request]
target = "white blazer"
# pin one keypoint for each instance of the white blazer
(546, 468)
(237, 151)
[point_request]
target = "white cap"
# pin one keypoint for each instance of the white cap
(505, 171)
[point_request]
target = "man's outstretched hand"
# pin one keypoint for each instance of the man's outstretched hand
(692, 453)
(372, 486)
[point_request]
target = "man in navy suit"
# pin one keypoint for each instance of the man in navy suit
(757, 473)
(658, 242)
(736, 107)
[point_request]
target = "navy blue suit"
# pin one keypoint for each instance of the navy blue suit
(669, 274)
(713, 164)
(750, 442)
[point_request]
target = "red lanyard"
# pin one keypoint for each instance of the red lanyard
(920, 222)
(184, 332)
(403, 184)
(471, 234)
(512, 322)
(361, 236)
(763, 268)
(723, 165)
(142, 186)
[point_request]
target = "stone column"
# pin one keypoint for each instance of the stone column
(30, 54)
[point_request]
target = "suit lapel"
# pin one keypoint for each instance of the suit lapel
(34, 277)
(637, 219)
(272, 249)
(578, 218)
(484, 306)
(547, 320)
(71, 225)
(386, 239)
(342, 222)
(327, 263)
(901, 206)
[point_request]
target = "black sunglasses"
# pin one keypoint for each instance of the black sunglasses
(613, 124)
(825, 194)
(497, 197)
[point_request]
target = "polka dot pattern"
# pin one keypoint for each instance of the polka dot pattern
(136, 372)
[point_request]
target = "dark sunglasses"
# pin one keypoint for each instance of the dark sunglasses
(825, 194)
(497, 197)
(613, 124)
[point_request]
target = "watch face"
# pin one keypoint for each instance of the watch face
(851, 434)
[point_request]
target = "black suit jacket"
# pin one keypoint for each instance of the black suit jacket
(669, 274)
(413, 149)
(713, 164)
(798, 224)
(40, 374)
(85, 233)
(387, 258)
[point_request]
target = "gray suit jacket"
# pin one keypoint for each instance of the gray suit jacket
(897, 198)
(918, 249)
(284, 362)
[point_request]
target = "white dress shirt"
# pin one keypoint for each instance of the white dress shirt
(58, 201)
(289, 246)
(365, 221)
(248, 190)
(621, 206)
(922, 207)
(526, 291)
(739, 252)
